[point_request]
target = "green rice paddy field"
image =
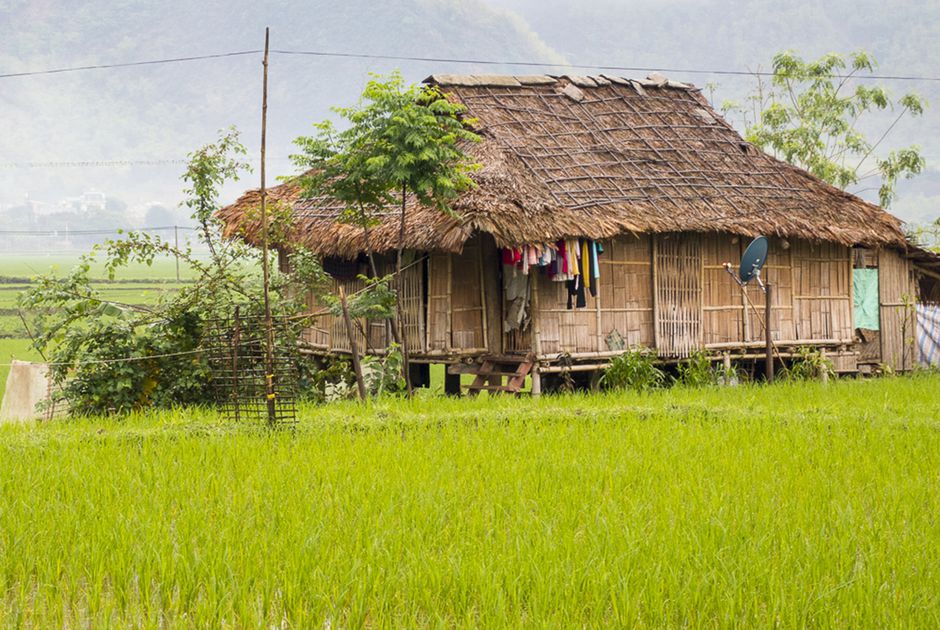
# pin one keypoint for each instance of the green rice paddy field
(793, 505)
(138, 284)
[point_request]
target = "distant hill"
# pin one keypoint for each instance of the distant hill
(904, 35)
(157, 112)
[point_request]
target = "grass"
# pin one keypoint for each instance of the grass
(25, 266)
(792, 505)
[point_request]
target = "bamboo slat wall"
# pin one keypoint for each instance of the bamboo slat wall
(467, 297)
(668, 291)
(339, 339)
(778, 271)
(895, 286)
(626, 290)
(724, 308)
(561, 329)
(413, 307)
(329, 331)
(822, 300)
(438, 337)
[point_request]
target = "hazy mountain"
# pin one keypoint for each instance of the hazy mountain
(904, 35)
(162, 111)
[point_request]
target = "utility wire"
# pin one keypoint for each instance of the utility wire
(453, 60)
(128, 64)
(69, 232)
(111, 163)
(543, 64)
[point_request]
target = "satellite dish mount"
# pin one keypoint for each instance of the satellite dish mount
(752, 261)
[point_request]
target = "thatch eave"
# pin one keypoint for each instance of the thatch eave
(608, 157)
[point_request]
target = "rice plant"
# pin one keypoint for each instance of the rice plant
(792, 505)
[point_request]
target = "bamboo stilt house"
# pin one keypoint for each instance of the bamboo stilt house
(601, 219)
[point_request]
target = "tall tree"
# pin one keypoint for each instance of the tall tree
(811, 115)
(403, 140)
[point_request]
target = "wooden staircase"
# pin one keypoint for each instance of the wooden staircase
(492, 369)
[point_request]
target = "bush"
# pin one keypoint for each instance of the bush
(698, 370)
(809, 364)
(634, 369)
(107, 357)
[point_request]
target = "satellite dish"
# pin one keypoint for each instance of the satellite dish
(753, 259)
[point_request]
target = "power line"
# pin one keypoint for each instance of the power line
(542, 64)
(453, 60)
(100, 232)
(111, 163)
(128, 64)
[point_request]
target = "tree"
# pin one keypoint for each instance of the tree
(107, 356)
(402, 139)
(811, 115)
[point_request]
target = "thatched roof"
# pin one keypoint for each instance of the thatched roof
(595, 157)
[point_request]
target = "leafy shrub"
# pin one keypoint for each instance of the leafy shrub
(809, 364)
(697, 370)
(90, 340)
(634, 369)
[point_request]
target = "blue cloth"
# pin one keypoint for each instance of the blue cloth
(928, 334)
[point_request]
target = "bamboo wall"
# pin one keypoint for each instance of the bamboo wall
(328, 332)
(822, 281)
(697, 303)
(668, 291)
(897, 294)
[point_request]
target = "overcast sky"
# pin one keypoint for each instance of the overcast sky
(161, 112)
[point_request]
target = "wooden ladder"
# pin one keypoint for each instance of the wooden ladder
(495, 368)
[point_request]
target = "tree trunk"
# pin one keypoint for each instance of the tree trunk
(353, 346)
(399, 290)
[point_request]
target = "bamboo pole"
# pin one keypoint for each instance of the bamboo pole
(768, 293)
(536, 333)
(482, 260)
(268, 323)
(353, 347)
(654, 254)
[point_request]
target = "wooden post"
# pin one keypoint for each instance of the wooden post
(767, 333)
(654, 254)
(268, 323)
(484, 342)
(825, 373)
(353, 346)
(536, 333)
(236, 339)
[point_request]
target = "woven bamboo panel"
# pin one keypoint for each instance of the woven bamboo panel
(329, 331)
(413, 315)
(723, 312)
(438, 336)
(895, 287)
(339, 339)
(561, 329)
(467, 297)
(678, 294)
(822, 302)
(626, 290)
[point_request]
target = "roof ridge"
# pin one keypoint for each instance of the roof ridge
(653, 80)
